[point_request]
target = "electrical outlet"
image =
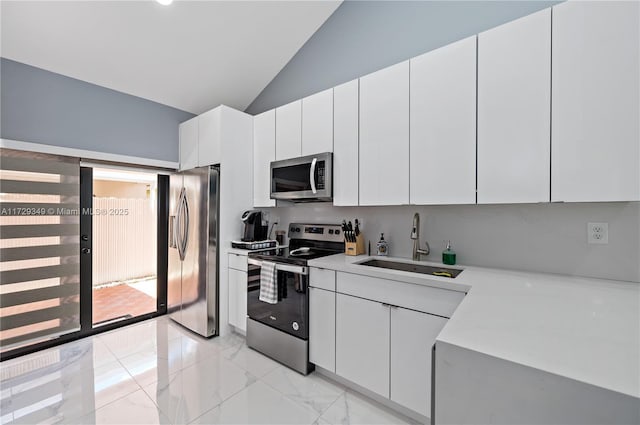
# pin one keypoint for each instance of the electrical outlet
(598, 233)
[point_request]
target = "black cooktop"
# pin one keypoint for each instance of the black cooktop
(306, 242)
(294, 255)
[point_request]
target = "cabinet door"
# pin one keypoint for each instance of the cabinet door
(345, 144)
(264, 151)
(189, 144)
(322, 328)
(384, 136)
(514, 101)
(596, 102)
(317, 123)
(289, 130)
(412, 337)
(362, 342)
(443, 125)
(238, 299)
(209, 142)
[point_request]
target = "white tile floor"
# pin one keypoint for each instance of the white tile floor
(156, 372)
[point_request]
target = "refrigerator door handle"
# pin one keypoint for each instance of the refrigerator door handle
(178, 228)
(185, 209)
(172, 232)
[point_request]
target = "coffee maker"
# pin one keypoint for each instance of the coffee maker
(254, 230)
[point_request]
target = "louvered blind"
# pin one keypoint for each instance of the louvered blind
(39, 247)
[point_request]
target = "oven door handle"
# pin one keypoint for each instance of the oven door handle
(303, 270)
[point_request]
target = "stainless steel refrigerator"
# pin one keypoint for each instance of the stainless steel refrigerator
(194, 209)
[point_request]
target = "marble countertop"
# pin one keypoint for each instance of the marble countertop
(580, 328)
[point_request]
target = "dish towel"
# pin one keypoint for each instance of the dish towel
(268, 283)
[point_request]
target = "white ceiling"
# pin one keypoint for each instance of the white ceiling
(192, 55)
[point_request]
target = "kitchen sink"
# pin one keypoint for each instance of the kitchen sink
(414, 268)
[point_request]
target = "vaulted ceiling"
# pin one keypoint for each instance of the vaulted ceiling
(192, 55)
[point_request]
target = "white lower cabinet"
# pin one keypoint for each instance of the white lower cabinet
(362, 342)
(412, 337)
(373, 343)
(238, 299)
(322, 328)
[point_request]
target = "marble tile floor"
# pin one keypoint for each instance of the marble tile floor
(157, 372)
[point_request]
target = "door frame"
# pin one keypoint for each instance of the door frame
(86, 247)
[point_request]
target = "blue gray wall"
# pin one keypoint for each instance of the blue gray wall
(39, 106)
(365, 36)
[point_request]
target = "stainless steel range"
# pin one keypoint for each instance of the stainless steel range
(280, 330)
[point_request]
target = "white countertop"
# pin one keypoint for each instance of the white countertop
(580, 328)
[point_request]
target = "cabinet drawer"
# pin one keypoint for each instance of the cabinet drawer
(238, 262)
(442, 302)
(322, 278)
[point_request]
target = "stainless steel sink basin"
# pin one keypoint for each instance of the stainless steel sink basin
(414, 268)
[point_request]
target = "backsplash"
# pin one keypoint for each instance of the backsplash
(550, 238)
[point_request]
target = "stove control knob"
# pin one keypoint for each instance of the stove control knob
(337, 232)
(297, 229)
(293, 229)
(295, 326)
(331, 231)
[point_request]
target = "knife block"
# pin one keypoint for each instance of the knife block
(355, 248)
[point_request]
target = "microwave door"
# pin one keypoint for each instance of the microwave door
(299, 179)
(291, 178)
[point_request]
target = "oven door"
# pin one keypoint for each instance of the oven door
(307, 178)
(291, 313)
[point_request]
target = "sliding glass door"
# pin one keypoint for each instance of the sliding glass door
(39, 250)
(82, 248)
(124, 234)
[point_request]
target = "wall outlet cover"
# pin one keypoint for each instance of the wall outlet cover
(598, 233)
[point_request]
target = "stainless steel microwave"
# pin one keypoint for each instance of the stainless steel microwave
(304, 179)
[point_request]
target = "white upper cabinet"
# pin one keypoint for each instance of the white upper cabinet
(209, 142)
(202, 138)
(443, 125)
(514, 101)
(317, 123)
(384, 136)
(345, 144)
(596, 91)
(289, 130)
(189, 144)
(264, 151)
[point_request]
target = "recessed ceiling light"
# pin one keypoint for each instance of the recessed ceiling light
(165, 2)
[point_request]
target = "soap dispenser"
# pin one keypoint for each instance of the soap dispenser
(449, 255)
(383, 246)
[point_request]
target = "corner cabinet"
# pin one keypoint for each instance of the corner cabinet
(264, 151)
(384, 136)
(412, 337)
(289, 130)
(189, 144)
(596, 102)
(443, 125)
(362, 342)
(514, 111)
(317, 123)
(345, 144)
